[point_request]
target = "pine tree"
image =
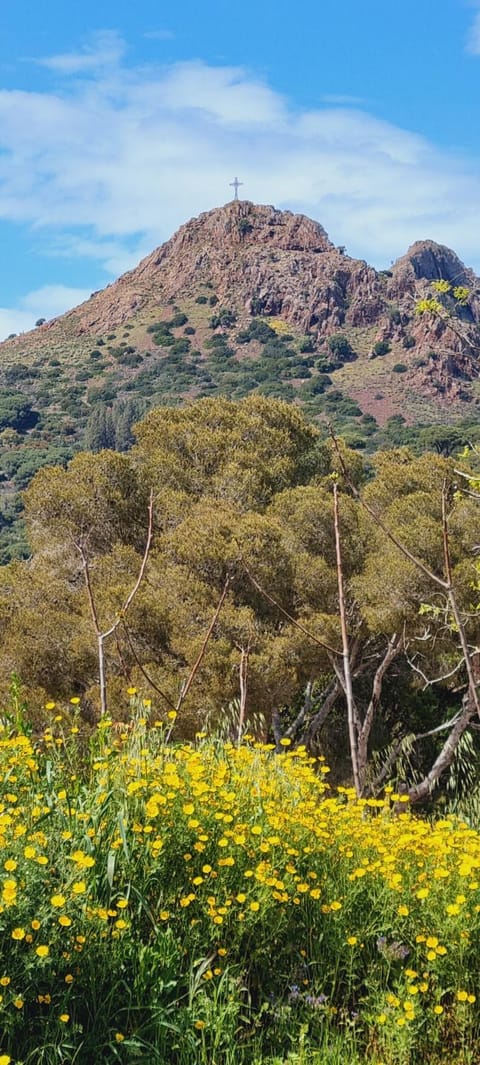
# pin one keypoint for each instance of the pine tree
(99, 431)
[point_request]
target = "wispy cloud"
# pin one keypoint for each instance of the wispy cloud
(159, 35)
(106, 48)
(343, 100)
(473, 37)
(112, 161)
(45, 302)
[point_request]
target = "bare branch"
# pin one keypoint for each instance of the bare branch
(429, 681)
(387, 767)
(124, 666)
(102, 636)
(196, 666)
(141, 573)
(381, 524)
(297, 723)
(448, 321)
(143, 671)
(302, 713)
(88, 584)
(243, 677)
(352, 713)
(439, 728)
(412, 740)
(421, 791)
(471, 702)
(258, 586)
(395, 647)
(330, 697)
(339, 673)
(327, 698)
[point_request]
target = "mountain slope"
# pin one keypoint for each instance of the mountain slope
(243, 298)
(264, 262)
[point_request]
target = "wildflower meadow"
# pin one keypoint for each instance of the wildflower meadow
(214, 903)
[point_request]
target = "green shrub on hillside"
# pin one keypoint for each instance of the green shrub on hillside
(224, 318)
(16, 411)
(340, 347)
(382, 347)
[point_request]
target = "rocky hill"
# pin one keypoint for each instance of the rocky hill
(244, 298)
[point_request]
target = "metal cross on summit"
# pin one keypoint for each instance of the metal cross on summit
(236, 185)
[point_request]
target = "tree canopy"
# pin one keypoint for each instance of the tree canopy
(243, 517)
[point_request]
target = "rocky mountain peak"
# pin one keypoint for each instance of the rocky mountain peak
(244, 262)
(428, 261)
(246, 223)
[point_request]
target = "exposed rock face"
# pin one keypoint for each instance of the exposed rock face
(425, 260)
(241, 222)
(261, 261)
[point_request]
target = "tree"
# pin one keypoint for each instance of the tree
(326, 614)
(16, 411)
(224, 317)
(381, 347)
(243, 451)
(444, 439)
(122, 613)
(341, 348)
(442, 528)
(99, 430)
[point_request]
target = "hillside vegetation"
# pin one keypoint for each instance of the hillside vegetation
(239, 660)
(239, 583)
(246, 299)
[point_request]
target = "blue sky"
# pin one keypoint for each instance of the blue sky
(119, 121)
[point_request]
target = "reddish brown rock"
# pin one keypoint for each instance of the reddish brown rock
(258, 260)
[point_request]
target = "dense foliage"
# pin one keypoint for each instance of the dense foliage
(218, 904)
(64, 394)
(243, 519)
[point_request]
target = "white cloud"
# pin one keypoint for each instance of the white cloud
(224, 94)
(45, 302)
(13, 321)
(115, 255)
(473, 40)
(112, 162)
(340, 99)
(105, 49)
(160, 35)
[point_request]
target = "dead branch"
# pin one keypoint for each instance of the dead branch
(327, 699)
(330, 696)
(142, 669)
(141, 573)
(352, 713)
(196, 666)
(296, 624)
(88, 584)
(243, 678)
(471, 701)
(453, 603)
(429, 681)
(302, 713)
(384, 772)
(421, 791)
(395, 647)
(445, 584)
(102, 636)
